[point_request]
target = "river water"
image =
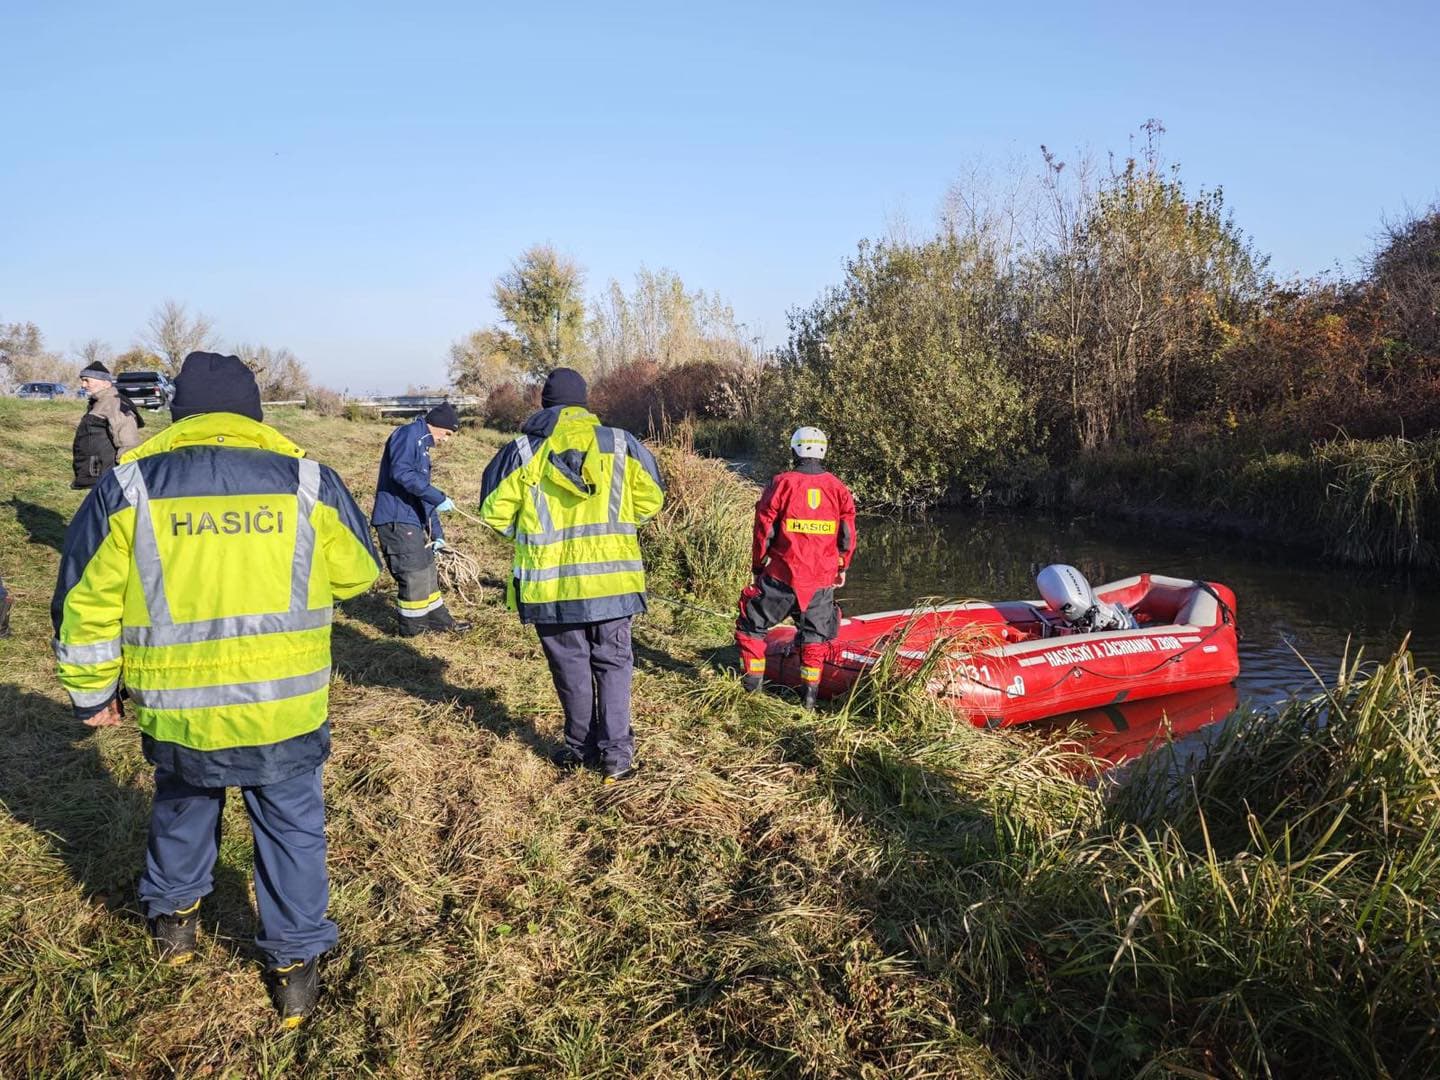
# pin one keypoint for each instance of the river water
(1289, 605)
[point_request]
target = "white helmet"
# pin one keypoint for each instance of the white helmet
(809, 442)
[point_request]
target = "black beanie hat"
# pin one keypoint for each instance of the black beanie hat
(563, 386)
(96, 370)
(209, 382)
(443, 416)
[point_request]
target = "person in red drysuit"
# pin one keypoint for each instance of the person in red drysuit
(804, 541)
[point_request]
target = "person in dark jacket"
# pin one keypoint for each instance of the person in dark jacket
(109, 427)
(407, 519)
(201, 573)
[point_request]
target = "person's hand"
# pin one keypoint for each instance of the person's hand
(110, 716)
(438, 544)
(446, 506)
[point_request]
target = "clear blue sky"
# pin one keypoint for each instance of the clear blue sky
(348, 179)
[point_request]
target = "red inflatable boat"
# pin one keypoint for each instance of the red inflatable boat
(1015, 661)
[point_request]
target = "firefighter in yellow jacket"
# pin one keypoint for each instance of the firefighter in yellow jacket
(199, 575)
(572, 494)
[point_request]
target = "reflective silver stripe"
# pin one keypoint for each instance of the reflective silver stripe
(305, 498)
(415, 613)
(549, 573)
(208, 697)
(522, 447)
(542, 509)
(163, 630)
(603, 528)
(232, 626)
(146, 549)
(617, 481)
(88, 699)
(95, 653)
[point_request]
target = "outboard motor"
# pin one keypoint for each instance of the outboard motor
(1067, 592)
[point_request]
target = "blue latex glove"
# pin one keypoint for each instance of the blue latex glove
(446, 506)
(439, 545)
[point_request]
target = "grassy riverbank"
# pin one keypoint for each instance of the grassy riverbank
(878, 890)
(1368, 502)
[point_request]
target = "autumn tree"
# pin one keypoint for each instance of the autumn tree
(1135, 299)
(278, 372)
(95, 351)
(137, 358)
(24, 357)
(1406, 275)
(19, 343)
(483, 360)
(661, 321)
(173, 333)
(541, 298)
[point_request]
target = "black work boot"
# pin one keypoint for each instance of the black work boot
(809, 696)
(619, 774)
(566, 760)
(175, 935)
(752, 683)
(295, 988)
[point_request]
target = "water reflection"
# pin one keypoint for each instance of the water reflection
(1289, 606)
(1120, 733)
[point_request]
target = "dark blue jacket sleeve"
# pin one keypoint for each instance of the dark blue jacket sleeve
(506, 461)
(411, 469)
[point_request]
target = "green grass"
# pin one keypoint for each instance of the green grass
(876, 890)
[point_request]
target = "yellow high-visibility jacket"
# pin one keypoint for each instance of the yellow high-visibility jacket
(572, 494)
(202, 571)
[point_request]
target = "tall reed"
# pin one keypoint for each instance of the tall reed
(1382, 504)
(698, 548)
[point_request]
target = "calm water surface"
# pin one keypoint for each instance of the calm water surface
(1287, 603)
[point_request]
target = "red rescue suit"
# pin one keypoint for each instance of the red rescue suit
(804, 541)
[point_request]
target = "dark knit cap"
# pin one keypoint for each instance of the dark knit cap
(564, 386)
(97, 370)
(209, 382)
(443, 416)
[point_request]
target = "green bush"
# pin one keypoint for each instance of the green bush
(901, 365)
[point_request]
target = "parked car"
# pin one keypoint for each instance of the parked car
(147, 389)
(49, 391)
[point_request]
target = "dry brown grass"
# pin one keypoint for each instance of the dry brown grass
(876, 890)
(710, 919)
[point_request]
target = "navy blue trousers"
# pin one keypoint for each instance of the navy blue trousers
(292, 888)
(591, 664)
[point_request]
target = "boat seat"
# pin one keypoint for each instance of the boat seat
(1200, 610)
